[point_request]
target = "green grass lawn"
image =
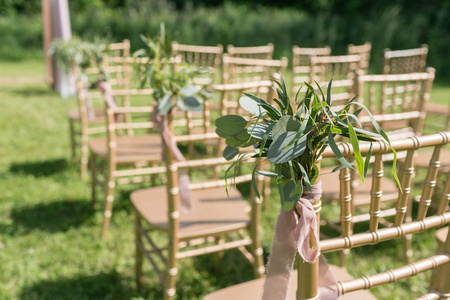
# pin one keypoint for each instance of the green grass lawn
(49, 235)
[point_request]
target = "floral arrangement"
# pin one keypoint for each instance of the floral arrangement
(169, 78)
(293, 134)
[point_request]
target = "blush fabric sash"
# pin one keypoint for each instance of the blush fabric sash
(183, 177)
(297, 231)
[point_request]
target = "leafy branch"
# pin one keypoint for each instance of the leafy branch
(293, 135)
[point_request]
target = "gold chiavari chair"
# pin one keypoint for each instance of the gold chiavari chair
(301, 64)
(87, 119)
(397, 103)
(206, 58)
(214, 224)
(121, 158)
(363, 51)
(405, 61)
(257, 52)
(307, 281)
(239, 70)
(342, 69)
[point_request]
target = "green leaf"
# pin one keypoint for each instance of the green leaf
(229, 125)
(252, 106)
(337, 152)
(254, 185)
(284, 124)
(189, 90)
(230, 152)
(266, 137)
(165, 104)
(278, 154)
(366, 163)
(257, 130)
(305, 176)
(267, 173)
(329, 92)
(292, 191)
(271, 111)
(192, 104)
(240, 139)
(315, 174)
(356, 152)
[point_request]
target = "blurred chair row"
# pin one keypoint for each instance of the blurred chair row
(130, 151)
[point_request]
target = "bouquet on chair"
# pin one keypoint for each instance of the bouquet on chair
(292, 135)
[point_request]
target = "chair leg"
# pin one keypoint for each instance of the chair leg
(72, 142)
(93, 180)
(219, 255)
(257, 252)
(171, 275)
(84, 156)
(139, 253)
(109, 205)
(343, 257)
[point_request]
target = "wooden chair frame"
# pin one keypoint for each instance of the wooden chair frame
(363, 51)
(255, 52)
(209, 241)
(239, 70)
(307, 279)
(208, 57)
(301, 64)
(405, 61)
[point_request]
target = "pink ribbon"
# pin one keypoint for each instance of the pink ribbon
(296, 231)
(183, 177)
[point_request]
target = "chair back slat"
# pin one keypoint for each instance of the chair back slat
(345, 197)
(405, 61)
(403, 199)
(258, 52)
(206, 58)
(363, 51)
(376, 193)
(429, 183)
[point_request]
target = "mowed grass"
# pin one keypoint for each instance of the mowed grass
(49, 235)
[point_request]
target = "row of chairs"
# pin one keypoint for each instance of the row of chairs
(235, 225)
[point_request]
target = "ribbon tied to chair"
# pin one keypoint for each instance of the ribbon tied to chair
(297, 231)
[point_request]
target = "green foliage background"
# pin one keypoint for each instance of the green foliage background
(397, 24)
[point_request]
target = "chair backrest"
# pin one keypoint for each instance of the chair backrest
(363, 51)
(405, 61)
(341, 69)
(397, 101)
(258, 52)
(421, 221)
(301, 64)
(206, 58)
(239, 70)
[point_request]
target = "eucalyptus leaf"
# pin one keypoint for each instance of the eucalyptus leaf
(189, 90)
(230, 152)
(193, 103)
(285, 124)
(292, 192)
(240, 139)
(252, 106)
(277, 154)
(165, 104)
(257, 130)
(229, 125)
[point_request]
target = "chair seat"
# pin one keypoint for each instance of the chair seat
(252, 290)
(131, 149)
(99, 115)
(437, 108)
(330, 188)
(212, 210)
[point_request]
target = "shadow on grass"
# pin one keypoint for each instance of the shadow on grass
(41, 168)
(53, 217)
(34, 91)
(101, 286)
